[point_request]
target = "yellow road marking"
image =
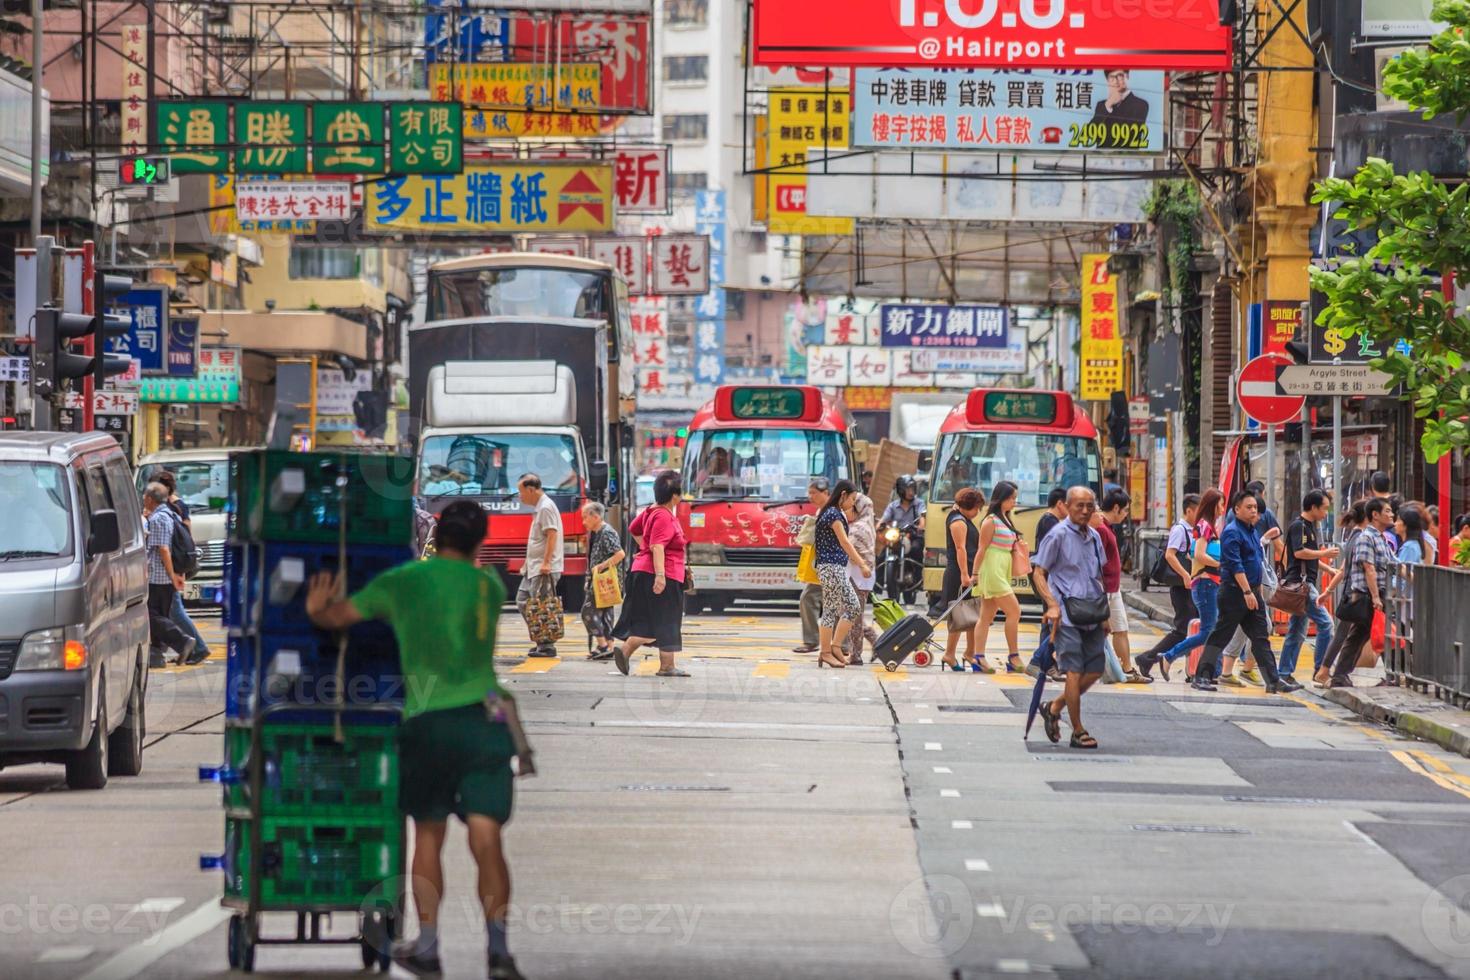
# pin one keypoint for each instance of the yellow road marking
(646, 668)
(883, 673)
(1410, 763)
(1439, 766)
(772, 670)
(538, 665)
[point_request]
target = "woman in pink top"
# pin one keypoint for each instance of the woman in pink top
(653, 609)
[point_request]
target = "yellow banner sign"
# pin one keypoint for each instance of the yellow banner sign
(502, 197)
(800, 119)
(1102, 335)
(522, 100)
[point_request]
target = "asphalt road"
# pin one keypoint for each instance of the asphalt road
(764, 818)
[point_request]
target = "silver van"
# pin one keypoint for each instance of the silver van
(203, 476)
(73, 606)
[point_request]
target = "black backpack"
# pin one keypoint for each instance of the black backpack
(181, 547)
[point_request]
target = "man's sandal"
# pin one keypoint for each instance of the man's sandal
(1052, 723)
(1082, 740)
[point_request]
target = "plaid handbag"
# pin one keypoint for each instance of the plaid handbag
(544, 612)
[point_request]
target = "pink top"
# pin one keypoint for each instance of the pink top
(657, 526)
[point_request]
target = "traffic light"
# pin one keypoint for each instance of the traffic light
(143, 171)
(106, 291)
(54, 360)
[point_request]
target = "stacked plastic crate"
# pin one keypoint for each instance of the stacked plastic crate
(310, 767)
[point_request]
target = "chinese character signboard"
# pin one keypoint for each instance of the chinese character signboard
(642, 179)
(1113, 110)
(984, 360)
(620, 44)
(425, 137)
(649, 315)
(526, 99)
(1280, 320)
(912, 325)
(680, 264)
(1102, 338)
(709, 309)
(134, 89)
(510, 197)
(801, 119)
(105, 402)
(1177, 35)
(347, 138)
(463, 36)
(183, 346)
(147, 307)
(282, 200)
(194, 130)
(272, 137)
(217, 380)
(15, 369)
(628, 255)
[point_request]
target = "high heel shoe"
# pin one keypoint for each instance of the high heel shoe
(822, 661)
(979, 666)
(957, 668)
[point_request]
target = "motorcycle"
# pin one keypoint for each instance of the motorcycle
(900, 575)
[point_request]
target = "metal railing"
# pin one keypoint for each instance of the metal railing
(1427, 639)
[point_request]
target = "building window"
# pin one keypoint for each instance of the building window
(686, 127)
(687, 69)
(336, 263)
(693, 181)
(686, 13)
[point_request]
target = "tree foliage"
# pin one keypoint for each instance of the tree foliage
(1392, 292)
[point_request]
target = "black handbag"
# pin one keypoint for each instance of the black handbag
(1163, 572)
(1358, 609)
(1084, 613)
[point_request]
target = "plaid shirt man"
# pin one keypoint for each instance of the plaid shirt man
(160, 527)
(1369, 548)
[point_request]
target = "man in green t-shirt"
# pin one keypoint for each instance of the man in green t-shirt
(453, 757)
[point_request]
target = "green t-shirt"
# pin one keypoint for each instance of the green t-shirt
(443, 612)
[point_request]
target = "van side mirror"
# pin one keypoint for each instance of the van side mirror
(597, 474)
(105, 537)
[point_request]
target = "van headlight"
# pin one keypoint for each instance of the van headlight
(58, 648)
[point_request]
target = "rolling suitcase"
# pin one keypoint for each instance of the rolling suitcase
(902, 639)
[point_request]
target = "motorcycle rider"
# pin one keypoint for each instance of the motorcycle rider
(906, 511)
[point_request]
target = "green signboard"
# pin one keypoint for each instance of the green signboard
(768, 403)
(426, 137)
(272, 137)
(1008, 406)
(347, 138)
(195, 127)
(217, 381)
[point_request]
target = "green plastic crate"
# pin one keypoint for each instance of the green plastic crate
(307, 863)
(379, 491)
(310, 774)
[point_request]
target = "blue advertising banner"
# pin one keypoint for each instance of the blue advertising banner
(922, 325)
(955, 108)
(183, 347)
(462, 36)
(709, 309)
(147, 307)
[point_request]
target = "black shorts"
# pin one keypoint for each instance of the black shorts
(1080, 651)
(650, 614)
(455, 761)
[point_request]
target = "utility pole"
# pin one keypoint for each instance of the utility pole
(38, 56)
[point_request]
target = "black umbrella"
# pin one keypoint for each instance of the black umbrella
(1048, 662)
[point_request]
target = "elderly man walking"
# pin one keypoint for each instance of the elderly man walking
(1069, 570)
(163, 582)
(545, 548)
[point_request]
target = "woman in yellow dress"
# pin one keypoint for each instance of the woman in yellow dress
(998, 539)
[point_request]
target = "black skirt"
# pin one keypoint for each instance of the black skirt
(645, 613)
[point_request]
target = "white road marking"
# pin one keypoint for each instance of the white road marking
(943, 771)
(1013, 966)
(926, 721)
(961, 825)
(953, 794)
(64, 954)
(137, 958)
(992, 911)
(159, 904)
(977, 864)
(933, 747)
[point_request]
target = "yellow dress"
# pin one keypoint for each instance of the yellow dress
(995, 569)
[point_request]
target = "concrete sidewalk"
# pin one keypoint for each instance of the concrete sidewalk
(1408, 711)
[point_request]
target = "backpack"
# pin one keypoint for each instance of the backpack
(181, 547)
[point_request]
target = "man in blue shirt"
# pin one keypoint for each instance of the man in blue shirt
(1241, 605)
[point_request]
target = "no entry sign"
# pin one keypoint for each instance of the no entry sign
(1260, 392)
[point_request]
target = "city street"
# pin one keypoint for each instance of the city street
(762, 818)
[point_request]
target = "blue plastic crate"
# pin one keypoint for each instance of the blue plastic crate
(248, 598)
(373, 673)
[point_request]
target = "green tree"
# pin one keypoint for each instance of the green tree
(1392, 292)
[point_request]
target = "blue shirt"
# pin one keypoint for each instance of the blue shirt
(1072, 557)
(1240, 551)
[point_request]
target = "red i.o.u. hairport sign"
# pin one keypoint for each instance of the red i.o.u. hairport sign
(1178, 35)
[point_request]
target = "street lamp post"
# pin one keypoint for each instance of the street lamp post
(37, 55)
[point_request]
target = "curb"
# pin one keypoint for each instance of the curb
(1455, 737)
(1135, 601)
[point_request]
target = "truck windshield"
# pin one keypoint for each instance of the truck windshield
(1035, 462)
(491, 463)
(517, 292)
(36, 503)
(762, 464)
(200, 482)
